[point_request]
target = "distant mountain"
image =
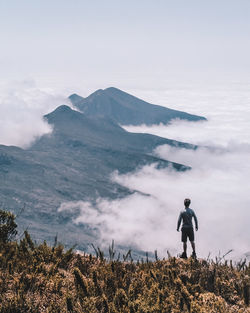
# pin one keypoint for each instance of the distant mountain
(126, 109)
(73, 163)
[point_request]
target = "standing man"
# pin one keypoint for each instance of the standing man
(187, 227)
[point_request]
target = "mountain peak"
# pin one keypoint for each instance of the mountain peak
(126, 109)
(75, 98)
(63, 115)
(114, 89)
(59, 110)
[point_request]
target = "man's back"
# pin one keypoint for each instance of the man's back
(186, 218)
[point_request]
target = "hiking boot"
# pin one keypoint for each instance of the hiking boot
(184, 255)
(194, 255)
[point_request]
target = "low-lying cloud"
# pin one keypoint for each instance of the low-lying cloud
(218, 186)
(219, 193)
(22, 106)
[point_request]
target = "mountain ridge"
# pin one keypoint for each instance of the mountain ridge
(73, 163)
(127, 109)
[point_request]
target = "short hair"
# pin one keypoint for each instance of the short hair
(187, 201)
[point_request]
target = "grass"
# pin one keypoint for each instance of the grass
(42, 278)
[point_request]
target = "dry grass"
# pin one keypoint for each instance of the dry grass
(40, 278)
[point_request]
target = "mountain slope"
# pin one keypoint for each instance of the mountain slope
(126, 109)
(102, 132)
(72, 163)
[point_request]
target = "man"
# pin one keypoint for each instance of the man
(187, 227)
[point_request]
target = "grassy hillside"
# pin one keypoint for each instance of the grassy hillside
(40, 278)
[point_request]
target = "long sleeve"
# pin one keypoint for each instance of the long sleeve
(195, 220)
(179, 221)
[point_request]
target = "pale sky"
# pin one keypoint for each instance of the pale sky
(128, 44)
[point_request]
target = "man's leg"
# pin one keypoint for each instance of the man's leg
(191, 238)
(193, 247)
(184, 240)
(184, 254)
(185, 247)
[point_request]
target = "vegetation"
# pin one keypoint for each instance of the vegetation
(42, 278)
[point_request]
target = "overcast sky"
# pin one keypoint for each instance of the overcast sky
(94, 44)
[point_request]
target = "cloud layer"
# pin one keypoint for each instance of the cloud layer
(22, 106)
(218, 183)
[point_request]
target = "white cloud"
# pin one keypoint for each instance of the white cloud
(22, 106)
(218, 183)
(125, 220)
(220, 196)
(225, 105)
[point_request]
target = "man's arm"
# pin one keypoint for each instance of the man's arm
(195, 220)
(179, 222)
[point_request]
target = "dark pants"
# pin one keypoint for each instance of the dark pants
(187, 233)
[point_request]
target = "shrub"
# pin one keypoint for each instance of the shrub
(7, 226)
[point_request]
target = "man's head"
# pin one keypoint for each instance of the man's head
(187, 202)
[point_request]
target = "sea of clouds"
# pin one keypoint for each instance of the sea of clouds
(218, 183)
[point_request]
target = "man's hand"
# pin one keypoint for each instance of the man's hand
(177, 229)
(196, 228)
